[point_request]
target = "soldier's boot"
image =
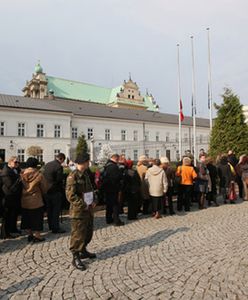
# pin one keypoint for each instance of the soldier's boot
(86, 254)
(76, 262)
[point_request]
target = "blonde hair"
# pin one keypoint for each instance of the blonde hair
(186, 161)
(12, 158)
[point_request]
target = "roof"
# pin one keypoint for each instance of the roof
(84, 108)
(63, 88)
(69, 89)
(29, 103)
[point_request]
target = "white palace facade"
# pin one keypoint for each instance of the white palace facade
(53, 113)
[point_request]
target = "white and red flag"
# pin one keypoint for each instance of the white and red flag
(181, 111)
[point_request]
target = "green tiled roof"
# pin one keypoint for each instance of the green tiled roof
(78, 90)
(69, 89)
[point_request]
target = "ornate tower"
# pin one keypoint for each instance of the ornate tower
(37, 86)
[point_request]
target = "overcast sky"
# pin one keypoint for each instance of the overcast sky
(101, 41)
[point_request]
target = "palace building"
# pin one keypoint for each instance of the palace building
(53, 112)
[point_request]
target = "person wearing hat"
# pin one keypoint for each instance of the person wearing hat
(112, 185)
(79, 193)
(34, 188)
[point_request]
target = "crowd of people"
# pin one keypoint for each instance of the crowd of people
(152, 187)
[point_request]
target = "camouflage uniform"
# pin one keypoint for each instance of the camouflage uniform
(82, 217)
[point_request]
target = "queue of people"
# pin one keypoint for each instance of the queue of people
(148, 188)
(27, 192)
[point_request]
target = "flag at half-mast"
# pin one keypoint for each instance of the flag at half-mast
(181, 111)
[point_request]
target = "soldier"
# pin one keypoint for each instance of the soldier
(79, 192)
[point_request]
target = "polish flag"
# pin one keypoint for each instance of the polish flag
(181, 111)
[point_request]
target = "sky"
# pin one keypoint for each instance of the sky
(101, 41)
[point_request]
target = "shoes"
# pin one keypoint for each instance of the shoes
(30, 238)
(110, 222)
(120, 223)
(14, 235)
(76, 262)
(87, 254)
(58, 231)
(157, 216)
(38, 240)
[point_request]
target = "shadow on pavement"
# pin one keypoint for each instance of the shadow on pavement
(150, 241)
(19, 286)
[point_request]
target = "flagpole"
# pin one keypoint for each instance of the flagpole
(179, 102)
(193, 98)
(210, 100)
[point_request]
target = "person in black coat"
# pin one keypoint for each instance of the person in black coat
(225, 176)
(132, 191)
(11, 189)
(212, 195)
(112, 178)
(53, 173)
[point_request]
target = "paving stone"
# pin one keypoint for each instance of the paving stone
(197, 255)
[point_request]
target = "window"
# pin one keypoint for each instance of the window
(167, 138)
(21, 155)
(57, 131)
(168, 154)
(123, 151)
(200, 138)
(177, 137)
(185, 138)
(129, 96)
(74, 133)
(2, 129)
(107, 134)
(21, 129)
(123, 135)
(40, 130)
(56, 152)
(135, 135)
(132, 96)
(135, 155)
(157, 154)
(157, 136)
(147, 153)
(146, 136)
(90, 133)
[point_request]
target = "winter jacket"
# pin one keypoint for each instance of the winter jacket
(112, 177)
(170, 174)
(34, 187)
(187, 174)
(77, 184)
(53, 173)
(213, 176)
(142, 169)
(11, 187)
(132, 182)
(224, 173)
(157, 181)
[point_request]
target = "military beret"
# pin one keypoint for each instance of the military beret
(82, 158)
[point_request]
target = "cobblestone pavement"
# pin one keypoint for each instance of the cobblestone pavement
(198, 255)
